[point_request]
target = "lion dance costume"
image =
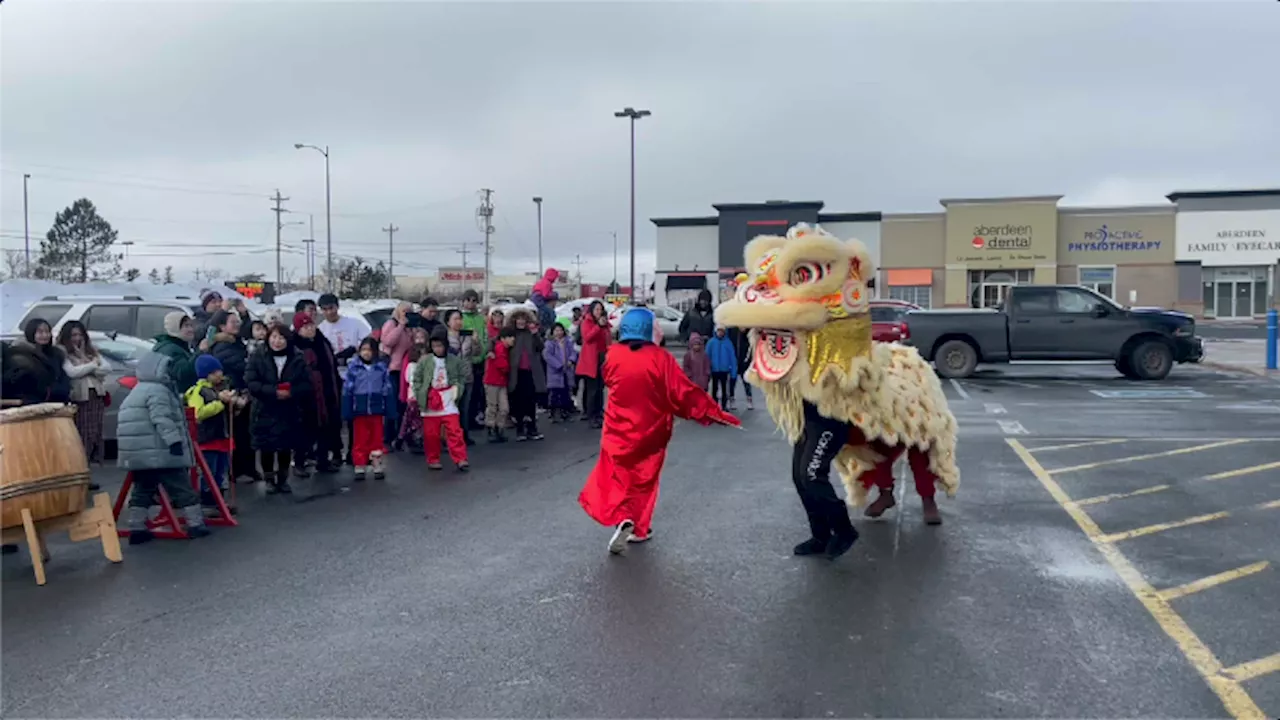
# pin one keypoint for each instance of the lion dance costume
(839, 397)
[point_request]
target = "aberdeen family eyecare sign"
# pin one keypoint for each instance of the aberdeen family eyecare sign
(1222, 238)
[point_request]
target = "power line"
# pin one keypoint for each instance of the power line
(131, 177)
(145, 186)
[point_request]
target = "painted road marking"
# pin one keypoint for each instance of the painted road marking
(964, 395)
(1166, 393)
(995, 409)
(1099, 499)
(1234, 699)
(1253, 668)
(1213, 581)
(1148, 456)
(1242, 471)
(1161, 527)
(1012, 427)
(1069, 446)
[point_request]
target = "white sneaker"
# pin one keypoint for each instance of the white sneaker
(618, 543)
(636, 539)
(378, 463)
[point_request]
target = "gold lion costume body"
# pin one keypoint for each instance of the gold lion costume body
(804, 300)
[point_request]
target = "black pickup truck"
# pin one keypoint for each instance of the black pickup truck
(1055, 322)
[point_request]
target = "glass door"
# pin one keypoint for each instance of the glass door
(1226, 298)
(1244, 299)
(994, 294)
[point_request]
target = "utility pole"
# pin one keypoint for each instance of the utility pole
(26, 223)
(644, 283)
(484, 216)
(390, 230)
(279, 211)
(126, 244)
(462, 283)
(615, 257)
(578, 263)
(634, 115)
(538, 201)
(311, 254)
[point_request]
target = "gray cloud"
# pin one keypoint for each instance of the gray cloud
(184, 115)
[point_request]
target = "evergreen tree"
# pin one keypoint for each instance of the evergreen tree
(154, 276)
(79, 247)
(360, 281)
(168, 274)
(131, 274)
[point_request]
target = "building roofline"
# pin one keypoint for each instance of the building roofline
(998, 200)
(772, 205)
(1177, 195)
(686, 222)
(1116, 209)
(850, 217)
(910, 216)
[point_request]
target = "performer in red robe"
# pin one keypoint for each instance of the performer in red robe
(647, 389)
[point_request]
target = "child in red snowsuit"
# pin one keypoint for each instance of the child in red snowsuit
(647, 389)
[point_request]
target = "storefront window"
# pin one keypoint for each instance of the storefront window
(1260, 297)
(1101, 280)
(1209, 304)
(921, 295)
(988, 288)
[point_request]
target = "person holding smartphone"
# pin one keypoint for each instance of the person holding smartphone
(394, 343)
(463, 344)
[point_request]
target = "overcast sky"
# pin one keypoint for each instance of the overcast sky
(178, 119)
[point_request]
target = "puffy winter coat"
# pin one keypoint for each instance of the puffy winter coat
(234, 356)
(723, 359)
(277, 424)
(701, 319)
(367, 390)
(33, 374)
(152, 419)
(182, 361)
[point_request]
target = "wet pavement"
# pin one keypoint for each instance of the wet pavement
(492, 594)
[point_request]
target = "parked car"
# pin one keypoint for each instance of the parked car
(889, 320)
(1055, 322)
(128, 315)
(123, 353)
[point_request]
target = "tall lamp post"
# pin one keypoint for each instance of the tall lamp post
(328, 216)
(538, 201)
(26, 226)
(634, 115)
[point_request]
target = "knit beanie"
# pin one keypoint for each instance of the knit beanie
(206, 365)
(173, 323)
(301, 320)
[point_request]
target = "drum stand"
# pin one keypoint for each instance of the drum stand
(96, 521)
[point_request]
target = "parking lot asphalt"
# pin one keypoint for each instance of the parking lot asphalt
(492, 595)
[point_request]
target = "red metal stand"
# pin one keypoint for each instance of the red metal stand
(167, 525)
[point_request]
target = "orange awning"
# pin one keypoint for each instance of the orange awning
(920, 276)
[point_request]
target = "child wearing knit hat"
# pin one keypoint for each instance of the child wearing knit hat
(211, 403)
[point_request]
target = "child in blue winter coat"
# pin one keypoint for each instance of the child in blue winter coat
(724, 367)
(367, 399)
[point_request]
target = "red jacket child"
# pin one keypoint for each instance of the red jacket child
(498, 367)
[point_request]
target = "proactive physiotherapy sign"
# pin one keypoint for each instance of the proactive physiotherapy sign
(1105, 239)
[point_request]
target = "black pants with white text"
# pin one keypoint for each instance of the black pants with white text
(811, 472)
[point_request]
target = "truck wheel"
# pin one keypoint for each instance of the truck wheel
(1151, 360)
(955, 359)
(1125, 367)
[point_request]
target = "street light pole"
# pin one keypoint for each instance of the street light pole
(26, 224)
(615, 258)
(633, 115)
(328, 212)
(538, 201)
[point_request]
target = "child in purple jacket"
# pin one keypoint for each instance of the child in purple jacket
(561, 359)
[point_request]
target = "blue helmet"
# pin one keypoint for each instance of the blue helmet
(637, 324)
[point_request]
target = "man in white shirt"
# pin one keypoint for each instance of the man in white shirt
(343, 333)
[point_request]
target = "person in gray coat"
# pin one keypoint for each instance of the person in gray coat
(155, 446)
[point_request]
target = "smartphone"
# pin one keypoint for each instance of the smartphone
(466, 333)
(208, 334)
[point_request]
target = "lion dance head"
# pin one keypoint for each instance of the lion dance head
(804, 298)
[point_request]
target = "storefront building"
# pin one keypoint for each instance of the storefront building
(1228, 249)
(1213, 254)
(1126, 253)
(705, 253)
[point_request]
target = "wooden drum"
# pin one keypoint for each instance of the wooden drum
(43, 467)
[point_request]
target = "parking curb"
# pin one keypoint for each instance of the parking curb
(1260, 372)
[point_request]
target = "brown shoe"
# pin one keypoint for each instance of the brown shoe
(883, 502)
(931, 514)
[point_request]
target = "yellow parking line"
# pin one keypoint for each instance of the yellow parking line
(1242, 471)
(1099, 499)
(1149, 456)
(1069, 446)
(1234, 699)
(1270, 505)
(1213, 581)
(1253, 668)
(1161, 527)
